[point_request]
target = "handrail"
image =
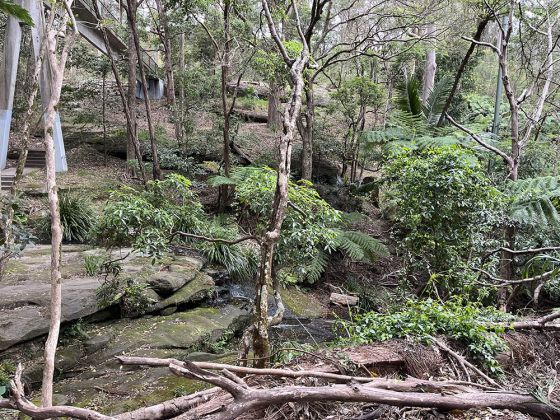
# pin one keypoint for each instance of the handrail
(147, 61)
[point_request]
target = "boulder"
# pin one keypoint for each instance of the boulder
(24, 308)
(193, 292)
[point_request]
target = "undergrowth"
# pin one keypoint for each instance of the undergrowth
(473, 325)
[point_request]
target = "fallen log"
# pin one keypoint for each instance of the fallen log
(251, 116)
(246, 399)
(542, 323)
(343, 300)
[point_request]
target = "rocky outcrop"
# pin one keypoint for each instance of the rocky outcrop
(25, 290)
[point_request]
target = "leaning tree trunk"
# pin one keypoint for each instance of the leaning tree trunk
(131, 14)
(477, 36)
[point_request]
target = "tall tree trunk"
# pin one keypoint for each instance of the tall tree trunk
(131, 14)
(225, 67)
(131, 129)
(477, 36)
(429, 69)
(307, 135)
(165, 34)
(57, 66)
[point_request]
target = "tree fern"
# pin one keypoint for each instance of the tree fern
(408, 97)
(316, 267)
(360, 246)
(532, 200)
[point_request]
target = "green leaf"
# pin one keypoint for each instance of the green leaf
(11, 9)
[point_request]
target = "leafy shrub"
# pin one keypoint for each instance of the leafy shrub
(77, 218)
(312, 229)
(146, 219)
(7, 370)
(443, 204)
(466, 322)
(129, 294)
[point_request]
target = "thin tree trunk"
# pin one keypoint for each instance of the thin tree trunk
(131, 128)
(274, 115)
(57, 66)
(131, 14)
(166, 39)
(225, 67)
(307, 138)
(477, 36)
(127, 100)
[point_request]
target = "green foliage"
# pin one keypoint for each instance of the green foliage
(93, 264)
(469, 323)
(356, 93)
(74, 332)
(11, 9)
(534, 201)
(146, 219)
(443, 204)
(7, 370)
(129, 294)
(311, 230)
(408, 97)
(20, 233)
(77, 218)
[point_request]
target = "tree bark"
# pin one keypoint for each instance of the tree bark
(307, 135)
(131, 128)
(261, 345)
(274, 120)
(429, 69)
(57, 66)
(131, 15)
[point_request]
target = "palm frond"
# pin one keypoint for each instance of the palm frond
(436, 100)
(408, 97)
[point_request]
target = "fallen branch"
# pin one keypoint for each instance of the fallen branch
(216, 240)
(464, 362)
(537, 324)
(246, 400)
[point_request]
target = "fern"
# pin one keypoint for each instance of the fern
(316, 267)
(360, 246)
(532, 200)
(436, 100)
(408, 97)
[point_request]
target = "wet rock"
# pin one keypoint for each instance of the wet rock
(193, 292)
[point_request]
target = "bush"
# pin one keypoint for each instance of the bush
(443, 204)
(127, 293)
(76, 217)
(312, 228)
(469, 323)
(146, 219)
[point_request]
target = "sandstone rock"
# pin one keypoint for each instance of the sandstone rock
(24, 311)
